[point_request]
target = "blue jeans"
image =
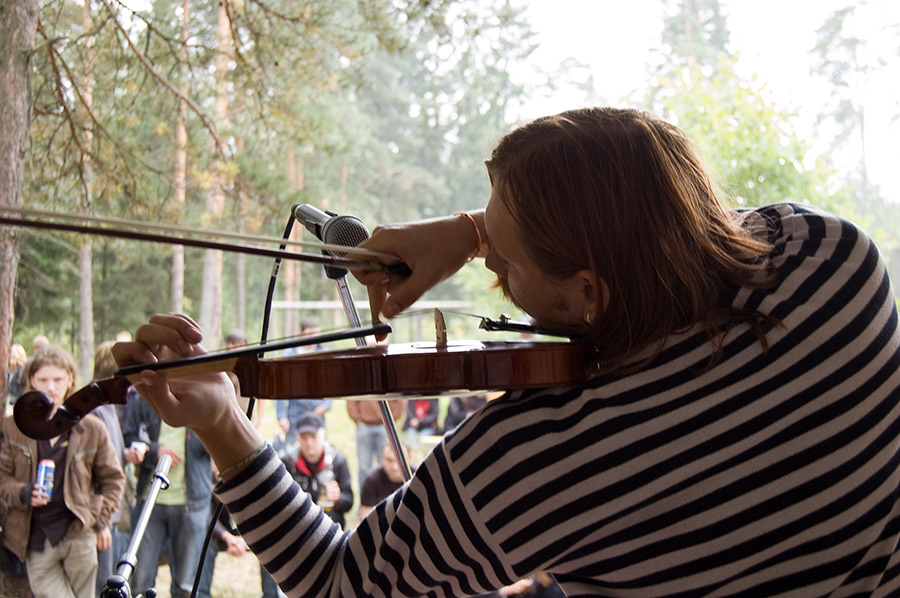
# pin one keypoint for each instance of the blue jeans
(370, 438)
(185, 531)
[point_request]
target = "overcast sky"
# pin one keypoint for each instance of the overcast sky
(773, 37)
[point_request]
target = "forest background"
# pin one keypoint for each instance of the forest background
(222, 115)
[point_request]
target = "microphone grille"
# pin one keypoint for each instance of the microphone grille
(344, 230)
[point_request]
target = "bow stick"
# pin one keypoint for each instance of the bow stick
(339, 261)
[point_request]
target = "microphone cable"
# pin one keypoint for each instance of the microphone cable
(264, 335)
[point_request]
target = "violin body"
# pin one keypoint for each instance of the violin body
(416, 368)
(367, 372)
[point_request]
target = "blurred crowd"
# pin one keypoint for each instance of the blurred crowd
(69, 539)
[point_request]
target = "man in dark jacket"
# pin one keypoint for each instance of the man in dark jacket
(322, 471)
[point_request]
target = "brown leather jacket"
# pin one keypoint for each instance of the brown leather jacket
(369, 412)
(92, 486)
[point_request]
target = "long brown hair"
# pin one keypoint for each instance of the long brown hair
(625, 195)
(55, 356)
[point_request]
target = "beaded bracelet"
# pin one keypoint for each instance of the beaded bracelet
(243, 462)
(478, 247)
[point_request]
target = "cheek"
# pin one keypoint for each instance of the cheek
(494, 264)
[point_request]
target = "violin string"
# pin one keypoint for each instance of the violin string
(176, 230)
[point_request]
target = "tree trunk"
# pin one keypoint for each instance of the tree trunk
(18, 24)
(85, 253)
(177, 272)
(86, 311)
(240, 265)
(211, 295)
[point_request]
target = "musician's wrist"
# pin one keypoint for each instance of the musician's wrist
(474, 223)
(230, 441)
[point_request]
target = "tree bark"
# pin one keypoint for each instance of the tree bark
(18, 25)
(211, 295)
(85, 254)
(177, 272)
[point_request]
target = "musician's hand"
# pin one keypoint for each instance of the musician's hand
(205, 403)
(198, 401)
(433, 249)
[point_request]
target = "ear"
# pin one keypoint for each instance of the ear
(591, 293)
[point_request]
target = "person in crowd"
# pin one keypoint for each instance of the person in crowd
(38, 342)
(58, 533)
(737, 431)
(290, 412)
(234, 340)
(381, 482)
(225, 538)
(462, 407)
(181, 512)
(370, 431)
(321, 471)
(104, 367)
(17, 379)
(421, 420)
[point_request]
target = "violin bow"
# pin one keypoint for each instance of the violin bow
(69, 223)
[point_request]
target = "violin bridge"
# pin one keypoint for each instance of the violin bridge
(440, 329)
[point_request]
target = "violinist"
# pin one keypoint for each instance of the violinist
(737, 432)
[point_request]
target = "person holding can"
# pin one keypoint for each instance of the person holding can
(56, 523)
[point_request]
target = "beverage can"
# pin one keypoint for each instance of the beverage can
(324, 476)
(45, 472)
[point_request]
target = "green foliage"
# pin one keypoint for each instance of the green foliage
(750, 144)
(382, 109)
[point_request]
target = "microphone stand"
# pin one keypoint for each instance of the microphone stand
(116, 585)
(386, 417)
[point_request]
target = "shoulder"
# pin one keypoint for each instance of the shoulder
(9, 431)
(783, 224)
(337, 456)
(92, 428)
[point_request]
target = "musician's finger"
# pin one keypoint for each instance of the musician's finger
(182, 323)
(155, 389)
(132, 353)
(179, 334)
(405, 292)
(377, 293)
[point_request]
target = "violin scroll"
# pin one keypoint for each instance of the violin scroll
(36, 418)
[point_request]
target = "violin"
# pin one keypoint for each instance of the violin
(365, 372)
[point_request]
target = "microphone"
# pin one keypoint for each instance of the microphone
(332, 229)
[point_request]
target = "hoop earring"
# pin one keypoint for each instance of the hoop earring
(588, 318)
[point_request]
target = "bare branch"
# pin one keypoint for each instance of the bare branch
(168, 84)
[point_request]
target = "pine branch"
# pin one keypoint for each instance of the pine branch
(208, 125)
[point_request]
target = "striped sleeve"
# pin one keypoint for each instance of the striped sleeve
(427, 539)
(766, 471)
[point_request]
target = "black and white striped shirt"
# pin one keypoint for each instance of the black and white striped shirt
(771, 473)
